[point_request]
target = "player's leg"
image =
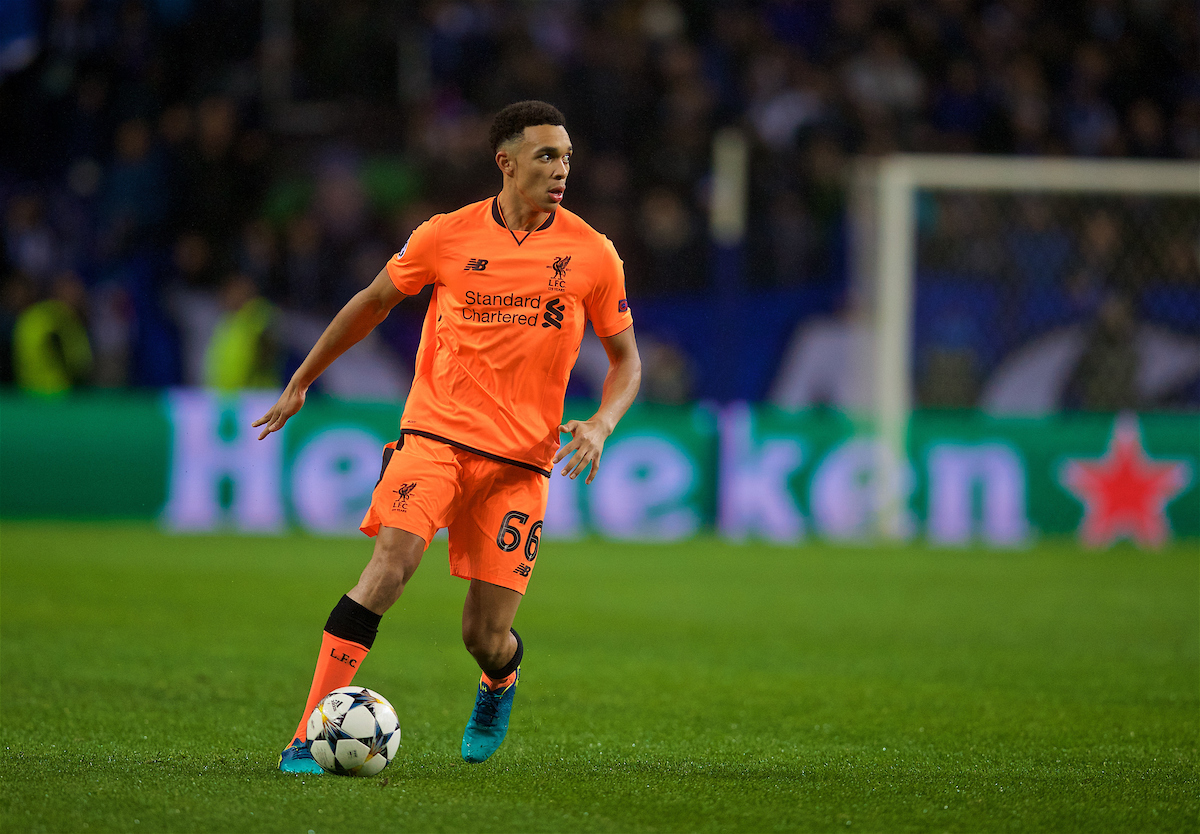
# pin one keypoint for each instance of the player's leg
(488, 614)
(488, 634)
(351, 628)
(352, 625)
(494, 542)
(396, 557)
(415, 489)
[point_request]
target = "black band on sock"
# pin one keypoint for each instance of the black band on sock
(353, 622)
(511, 666)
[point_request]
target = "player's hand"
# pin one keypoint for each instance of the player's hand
(585, 447)
(289, 402)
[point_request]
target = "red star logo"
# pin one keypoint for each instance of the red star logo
(1125, 493)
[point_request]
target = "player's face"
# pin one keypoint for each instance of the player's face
(541, 164)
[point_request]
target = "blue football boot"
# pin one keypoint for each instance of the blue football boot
(297, 758)
(489, 720)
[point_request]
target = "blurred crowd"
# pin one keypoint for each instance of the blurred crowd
(186, 186)
(1034, 303)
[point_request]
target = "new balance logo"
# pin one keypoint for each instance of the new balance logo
(522, 570)
(553, 314)
(477, 264)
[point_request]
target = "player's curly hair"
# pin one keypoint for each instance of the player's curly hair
(511, 122)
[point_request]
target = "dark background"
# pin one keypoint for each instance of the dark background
(152, 150)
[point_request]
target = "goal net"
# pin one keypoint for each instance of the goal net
(1024, 286)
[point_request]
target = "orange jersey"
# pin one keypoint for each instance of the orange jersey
(503, 327)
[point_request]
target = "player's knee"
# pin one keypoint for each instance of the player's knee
(398, 553)
(392, 564)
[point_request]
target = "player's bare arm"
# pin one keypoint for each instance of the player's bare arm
(620, 387)
(360, 316)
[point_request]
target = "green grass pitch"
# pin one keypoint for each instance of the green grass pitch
(148, 683)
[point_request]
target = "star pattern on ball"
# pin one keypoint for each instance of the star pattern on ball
(1125, 492)
(354, 732)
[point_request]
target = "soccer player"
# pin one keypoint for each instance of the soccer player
(514, 278)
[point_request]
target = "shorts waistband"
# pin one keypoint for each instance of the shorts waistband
(431, 436)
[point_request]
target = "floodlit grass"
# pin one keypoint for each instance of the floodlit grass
(148, 683)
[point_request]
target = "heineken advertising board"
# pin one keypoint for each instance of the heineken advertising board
(190, 460)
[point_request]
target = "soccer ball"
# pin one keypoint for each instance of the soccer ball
(354, 732)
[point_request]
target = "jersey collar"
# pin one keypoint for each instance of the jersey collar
(499, 218)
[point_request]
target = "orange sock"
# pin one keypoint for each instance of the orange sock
(493, 685)
(336, 665)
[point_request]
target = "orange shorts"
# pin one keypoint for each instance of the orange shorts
(493, 510)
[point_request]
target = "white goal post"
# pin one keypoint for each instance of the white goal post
(883, 265)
